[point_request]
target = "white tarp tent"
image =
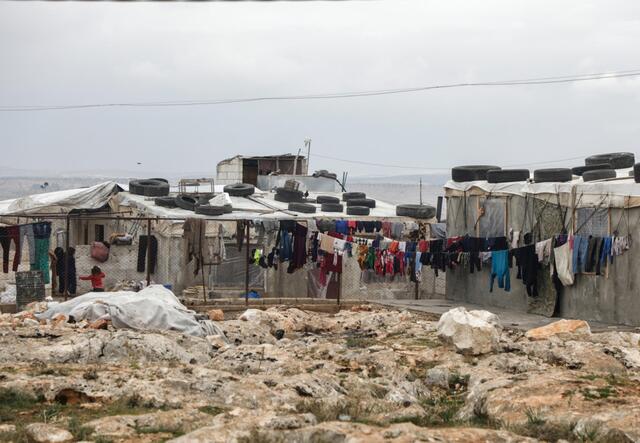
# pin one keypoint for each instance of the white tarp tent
(62, 202)
(622, 192)
(153, 308)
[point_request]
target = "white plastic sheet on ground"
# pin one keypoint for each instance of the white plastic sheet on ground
(153, 308)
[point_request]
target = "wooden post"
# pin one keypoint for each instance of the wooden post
(148, 252)
(246, 274)
(66, 261)
(203, 236)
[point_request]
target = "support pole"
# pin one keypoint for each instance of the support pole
(246, 273)
(148, 252)
(65, 290)
(203, 237)
(416, 287)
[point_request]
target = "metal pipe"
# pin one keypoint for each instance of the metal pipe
(66, 261)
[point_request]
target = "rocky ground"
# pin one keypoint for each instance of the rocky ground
(364, 375)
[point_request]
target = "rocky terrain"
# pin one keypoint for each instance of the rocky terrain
(365, 375)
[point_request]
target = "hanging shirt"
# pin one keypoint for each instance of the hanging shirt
(500, 270)
(563, 263)
(96, 280)
(543, 250)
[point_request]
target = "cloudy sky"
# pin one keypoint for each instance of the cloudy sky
(75, 53)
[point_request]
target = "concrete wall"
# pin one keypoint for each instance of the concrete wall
(610, 299)
(229, 171)
(307, 183)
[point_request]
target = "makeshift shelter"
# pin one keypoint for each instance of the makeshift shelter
(551, 211)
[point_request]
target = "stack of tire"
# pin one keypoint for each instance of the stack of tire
(151, 187)
(492, 174)
(416, 211)
(286, 195)
(358, 203)
(329, 204)
(603, 166)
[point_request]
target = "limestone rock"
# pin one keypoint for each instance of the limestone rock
(45, 433)
(562, 329)
(470, 332)
(216, 315)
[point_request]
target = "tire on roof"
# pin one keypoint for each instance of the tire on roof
(149, 188)
(289, 196)
(468, 173)
(346, 196)
(165, 202)
(240, 189)
(210, 210)
(368, 202)
(327, 199)
(507, 175)
(305, 208)
(551, 175)
(358, 210)
(332, 207)
(579, 170)
(598, 174)
(416, 211)
(617, 160)
(186, 202)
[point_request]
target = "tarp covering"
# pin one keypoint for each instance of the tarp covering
(62, 202)
(622, 192)
(153, 308)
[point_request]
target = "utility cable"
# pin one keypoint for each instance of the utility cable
(335, 95)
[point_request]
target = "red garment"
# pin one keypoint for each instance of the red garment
(453, 240)
(388, 263)
(400, 256)
(328, 264)
(378, 265)
(423, 246)
(7, 234)
(386, 229)
(393, 247)
(352, 224)
(96, 280)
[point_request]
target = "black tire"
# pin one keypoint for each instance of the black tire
(228, 209)
(598, 174)
(186, 202)
(507, 175)
(331, 207)
(149, 188)
(617, 160)
(288, 195)
(210, 210)
(552, 175)
(305, 208)
(469, 173)
(327, 199)
(358, 210)
(368, 202)
(579, 170)
(240, 189)
(416, 211)
(166, 202)
(636, 173)
(351, 195)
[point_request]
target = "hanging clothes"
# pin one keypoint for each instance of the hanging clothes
(326, 243)
(27, 231)
(299, 254)
(527, 263)
(194, 234)
(543, 250)
(580, 247)
(42, 233)
(563, 263)
(59, 266)
(10, 234)
(500, 270)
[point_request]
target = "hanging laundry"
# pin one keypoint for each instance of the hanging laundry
(543, 250)
(397, 228)
(563, 263)
(7, 235)
(579, 258)
(500, 270)
(152, 244)
(326, 243)
(527, 263)
(42, 234)
(299, 253)
(27, 231)
(194, 233)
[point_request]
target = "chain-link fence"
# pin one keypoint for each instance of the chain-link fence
(143, 250)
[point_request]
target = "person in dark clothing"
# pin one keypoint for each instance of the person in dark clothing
(527, 263)
(59, 254)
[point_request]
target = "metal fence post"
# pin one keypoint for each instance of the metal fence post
(148, 252)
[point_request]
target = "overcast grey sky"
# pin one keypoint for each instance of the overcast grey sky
(61, 53)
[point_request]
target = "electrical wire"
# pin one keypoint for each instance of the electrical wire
(335, 95)
(440, 168)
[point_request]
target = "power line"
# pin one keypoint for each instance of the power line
(334, 95)
(441, 168)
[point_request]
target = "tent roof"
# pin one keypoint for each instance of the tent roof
(62, 202)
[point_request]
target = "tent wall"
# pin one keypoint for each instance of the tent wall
(609, 299)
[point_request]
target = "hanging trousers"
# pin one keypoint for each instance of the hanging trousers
(6, 235)
(42, 233)
(27, 231)
(142, 253)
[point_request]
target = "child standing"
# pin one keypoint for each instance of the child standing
(96, 279)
